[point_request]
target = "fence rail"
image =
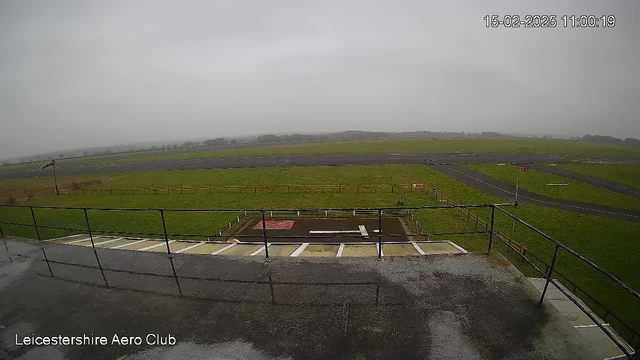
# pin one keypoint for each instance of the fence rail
(489, 228)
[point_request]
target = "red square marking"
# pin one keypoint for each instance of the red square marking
(275, 224)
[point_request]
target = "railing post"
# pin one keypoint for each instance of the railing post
(493, 215)
(35, 224)
(93, 245)
(264, 235)
(379, 234)
(164, 229)
(549, 274)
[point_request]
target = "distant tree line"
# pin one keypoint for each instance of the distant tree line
(610, 140)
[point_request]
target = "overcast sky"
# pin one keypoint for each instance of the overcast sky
(91, 73)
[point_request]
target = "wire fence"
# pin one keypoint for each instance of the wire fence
(561, 282)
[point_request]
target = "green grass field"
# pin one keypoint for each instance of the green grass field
(623, 174)
(466, 145)
(536, 181)
(613, 244)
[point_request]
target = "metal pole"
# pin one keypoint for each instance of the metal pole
(47, 261)
(379, 234)
(166, 237)
(86, 217)
(35, 224)
(55, 181)
(513, 226)
(264, 236)
(493, 215)
(549, 274)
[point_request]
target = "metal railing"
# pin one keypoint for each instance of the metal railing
(379, 212)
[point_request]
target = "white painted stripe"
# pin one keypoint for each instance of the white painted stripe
(334, 232)
(77, 241)
(618, 357)
(131, 243)
(156, 245)
(190, 247)
(587, 326)
(224, 249)
(363, 231)
(420, 251)
(299, 250)
(340, 250)
(259, 250)
(458, 247)
(380, 250)
(106, 242)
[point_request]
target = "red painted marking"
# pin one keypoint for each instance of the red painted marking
(275, 224)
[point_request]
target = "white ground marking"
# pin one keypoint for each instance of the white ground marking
(123, 245)
(458, 247)
(417, 248)
(106, 242)
(259, 250)
(340, 250)
(66, 238)
(380, 250)
(588, 326)
(224, 248)
(77, 241)
(299, 250)
(156, 245)
(189, 247)
(334, 232)
(363, 231)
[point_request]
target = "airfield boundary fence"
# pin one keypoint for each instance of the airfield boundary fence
(534, 261)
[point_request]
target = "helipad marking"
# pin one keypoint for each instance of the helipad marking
(340, 250)
(190, 247)
(299, 250)
(224, 248)
(155, 246)
(420, 251)
(123, 245)
(259, 250)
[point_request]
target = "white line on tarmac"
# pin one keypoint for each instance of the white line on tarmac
(458, 247)
(107, 242)
(123, 245)
(420, 251)
(340, 250)
(363, 231)
(224, 248)
(77, 241)
(189, 247)
(299, 250)
(334, 232)
(259, 250)
(156, 245)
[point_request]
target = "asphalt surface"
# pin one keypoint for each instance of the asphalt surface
(427, 307)
(80, 167)
(496, 187)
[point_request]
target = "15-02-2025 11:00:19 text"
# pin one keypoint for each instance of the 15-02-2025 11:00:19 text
(550, 21)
